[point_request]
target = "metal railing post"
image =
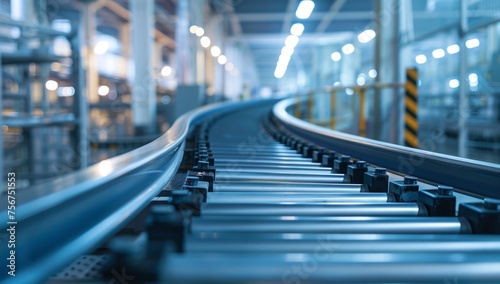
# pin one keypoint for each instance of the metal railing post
(411, 108)
(362, 120)
(333, 109)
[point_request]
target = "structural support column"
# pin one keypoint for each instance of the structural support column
(190, 93)
(463, 103)
(144, 89)
(88, 26)
(386, 104)
(80, 137)
(182, 46)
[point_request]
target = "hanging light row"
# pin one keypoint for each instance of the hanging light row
(303, 11)
(363, 37)
(215, 51)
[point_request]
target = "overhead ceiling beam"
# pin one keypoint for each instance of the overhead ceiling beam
(289, 15)
(264, 17)
(327, 19)
(125, 14)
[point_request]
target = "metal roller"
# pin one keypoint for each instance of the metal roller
(236, 155)
(239, 186)
(259, 162)
(304, 209)
(231, 166)
(270, 158)
(267, 150)
(294, 197)
(326, 267)
(406, 243)
(331, 225)
(324, 237)
(238, 171)
(286, 178)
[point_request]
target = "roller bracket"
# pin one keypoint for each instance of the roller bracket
(404, 190)
(317, 155)
(355, 172)
(376, 181)
(439, 202)
(307, 150)
(165, 223)
(328, 158)
(340, 164)
(484, 217)
(197, 187)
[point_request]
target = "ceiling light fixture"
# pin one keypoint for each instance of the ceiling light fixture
(205, 41)
(291, 41)
(472, 43)
(366, 36)
(297, 29)
(336, 56)
(438, 53)
(304, 9)
(215, 51)
(452, 49)
(348, 49)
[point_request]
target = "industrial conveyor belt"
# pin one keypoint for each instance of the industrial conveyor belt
(268, 189)
(262, 202)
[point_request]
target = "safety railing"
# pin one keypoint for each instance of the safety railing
(473, 177)
(345, 107)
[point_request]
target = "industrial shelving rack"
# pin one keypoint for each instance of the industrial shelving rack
(41, 139)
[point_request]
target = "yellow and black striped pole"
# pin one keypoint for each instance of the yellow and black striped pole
(310, 108)
(297, 106)
(411, 108)
(333, 108)
(362, 121)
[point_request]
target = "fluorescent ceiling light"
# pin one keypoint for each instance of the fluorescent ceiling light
(51, 85)
(297, 29)
(222, 59)
(229, 66)
(280, 71)
(200, 31)
(291, 41)
(193, 29)
(287, 50)
(166, 71)
(452, 49)
(438, 53)
(215, 51)
(336, 56)
(421, 59)
(284, 58)
(454, 83)
(103, 90)
(205, 41)
(101, 47)
(66, 92)
(361, 80)
(471, 43)
(348, 48)
(366, 36)
(304, 9)
(473, 80)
